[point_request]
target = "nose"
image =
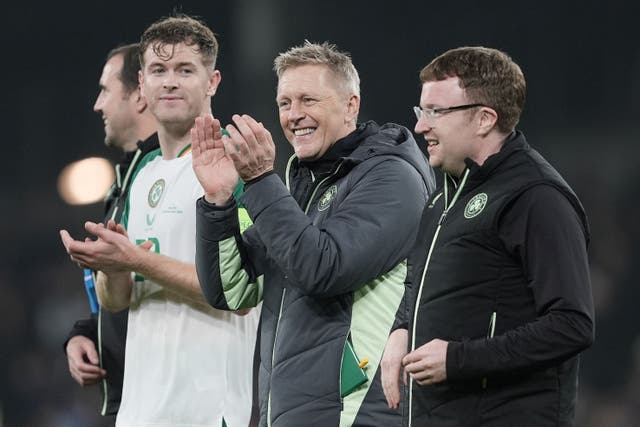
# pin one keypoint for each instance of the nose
(170, 81)
(97, 106)
(296, 112)
(422, 126)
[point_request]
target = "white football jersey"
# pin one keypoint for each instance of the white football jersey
(186, 364)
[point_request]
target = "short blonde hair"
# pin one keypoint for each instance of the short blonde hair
(321, 54)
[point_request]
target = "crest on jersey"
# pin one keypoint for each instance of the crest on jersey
(155, 194)
(475, 205)
(327, 198)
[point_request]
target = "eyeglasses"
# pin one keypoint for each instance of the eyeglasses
(430, 114)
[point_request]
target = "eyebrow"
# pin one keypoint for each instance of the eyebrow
(164, 63)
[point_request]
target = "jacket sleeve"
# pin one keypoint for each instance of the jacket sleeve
(85, 327)
(366, 235)
(403, 314)
(544, 232)
(228, 262)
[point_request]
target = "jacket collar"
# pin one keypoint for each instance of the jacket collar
(515, 142)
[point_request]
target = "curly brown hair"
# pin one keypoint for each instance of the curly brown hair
(179, 29)
(488, 76)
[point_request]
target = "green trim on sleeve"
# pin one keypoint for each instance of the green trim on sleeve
(244, 219)
(373, 313)
(239, 292)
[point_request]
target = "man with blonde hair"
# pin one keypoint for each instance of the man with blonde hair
(326, 252)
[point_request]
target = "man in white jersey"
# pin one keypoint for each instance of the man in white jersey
(186, 363)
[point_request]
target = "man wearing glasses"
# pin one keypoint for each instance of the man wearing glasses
(500, 303)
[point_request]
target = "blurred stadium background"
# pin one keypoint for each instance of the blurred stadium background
(581, 61)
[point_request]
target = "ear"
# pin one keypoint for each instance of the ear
(353, 108)
(214, 81)
(487, 120)
(139, 101)
(141, 83)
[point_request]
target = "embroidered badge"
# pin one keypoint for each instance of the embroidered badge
(475, 205)
(327, 197)
(155, 194)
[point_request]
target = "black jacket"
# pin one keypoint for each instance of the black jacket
(507, 285)
(326, 255)
(108, 330)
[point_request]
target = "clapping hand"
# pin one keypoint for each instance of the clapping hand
(213, 168)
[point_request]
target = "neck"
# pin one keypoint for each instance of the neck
(174, 136)
(129, 146)
(173, 140)
(145, 127)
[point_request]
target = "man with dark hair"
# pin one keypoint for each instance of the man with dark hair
(186, 364)
(326, 252)
(501, 302)
(95, 346)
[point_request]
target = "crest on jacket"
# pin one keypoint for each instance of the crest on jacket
(327, 198)
(475, 205)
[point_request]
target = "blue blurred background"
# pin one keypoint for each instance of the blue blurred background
(581, 61)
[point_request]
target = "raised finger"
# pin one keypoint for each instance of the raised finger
(246, 131)
(261, 134)
(195, 140)
(208, 128)
(66, 239)
(199, 127)
(98, 230)
(195, 144)
(216, 132)
(235, 145)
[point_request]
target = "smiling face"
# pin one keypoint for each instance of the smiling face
(117, 108)
(314, 110)
(176, 84)
(450, 137)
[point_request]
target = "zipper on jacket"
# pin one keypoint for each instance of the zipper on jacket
(344, 346)
(284, 291)
(446, 209)
(122, 187)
